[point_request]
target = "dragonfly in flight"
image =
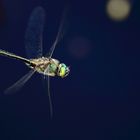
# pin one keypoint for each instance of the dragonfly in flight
(45, 65)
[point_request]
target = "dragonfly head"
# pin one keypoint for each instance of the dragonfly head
(63, 70)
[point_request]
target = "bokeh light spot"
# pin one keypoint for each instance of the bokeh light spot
(79, 47)
(118, 10)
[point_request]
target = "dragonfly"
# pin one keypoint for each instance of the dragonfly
(44, 65)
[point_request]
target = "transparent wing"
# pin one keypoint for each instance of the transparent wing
(49, 96)
(20, 83)
(60, 34)
(34, 33)
(46, 81)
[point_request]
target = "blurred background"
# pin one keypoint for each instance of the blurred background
(99, 100)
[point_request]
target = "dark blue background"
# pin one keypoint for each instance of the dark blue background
(99, 100)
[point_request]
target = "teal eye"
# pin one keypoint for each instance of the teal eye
(63, 65)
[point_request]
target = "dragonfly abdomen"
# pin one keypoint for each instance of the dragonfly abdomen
(11, 55)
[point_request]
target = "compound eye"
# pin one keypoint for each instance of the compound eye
(62, 71)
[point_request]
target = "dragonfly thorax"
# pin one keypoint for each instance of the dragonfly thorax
(44, 65)
(51, 67)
